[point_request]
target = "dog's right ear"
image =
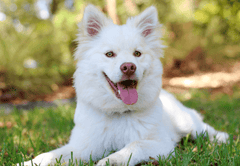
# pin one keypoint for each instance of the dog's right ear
(93, 21)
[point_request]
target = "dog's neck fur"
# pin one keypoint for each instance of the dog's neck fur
(124, 113)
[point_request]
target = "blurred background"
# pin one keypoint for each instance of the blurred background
(37, 41)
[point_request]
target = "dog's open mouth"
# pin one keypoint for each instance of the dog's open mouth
(125, 90)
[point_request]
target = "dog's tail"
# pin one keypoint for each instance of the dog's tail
(186, 120)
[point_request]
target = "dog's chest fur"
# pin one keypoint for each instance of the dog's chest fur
(114, 131)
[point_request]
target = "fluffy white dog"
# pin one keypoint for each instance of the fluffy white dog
(118, 83)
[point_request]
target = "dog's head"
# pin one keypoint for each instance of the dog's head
(118, 66)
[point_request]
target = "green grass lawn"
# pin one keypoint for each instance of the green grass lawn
(26, 134)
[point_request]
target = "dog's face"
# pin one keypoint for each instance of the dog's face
(118, 66)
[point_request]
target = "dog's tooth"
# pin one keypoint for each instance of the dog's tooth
(119, 91)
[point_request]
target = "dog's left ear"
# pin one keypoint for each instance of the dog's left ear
(147, 26)
(146, 22)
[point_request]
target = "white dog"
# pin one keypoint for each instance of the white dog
(118, 84)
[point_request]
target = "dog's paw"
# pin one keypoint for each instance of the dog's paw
(113, 159)
(27, 163)
(44, 159)
(222, 137)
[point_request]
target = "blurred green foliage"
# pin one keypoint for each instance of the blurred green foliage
(219, 21)
(36, 53)
(26, 38)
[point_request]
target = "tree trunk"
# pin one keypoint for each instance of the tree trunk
(112, 11)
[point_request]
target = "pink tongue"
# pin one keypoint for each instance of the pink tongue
(128, 95)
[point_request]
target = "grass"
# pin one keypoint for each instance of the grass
(26, 134)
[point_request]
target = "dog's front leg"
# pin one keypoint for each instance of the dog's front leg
(139, 151)
(49, 158)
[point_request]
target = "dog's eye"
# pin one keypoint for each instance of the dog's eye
(137, 53)
(109, 54)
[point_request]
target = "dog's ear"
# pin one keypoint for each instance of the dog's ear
(147, 21)
(94, 20)
(147, 26)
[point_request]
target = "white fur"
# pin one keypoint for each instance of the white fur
(103, 123)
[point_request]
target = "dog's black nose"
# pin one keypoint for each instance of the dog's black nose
(128, 68)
